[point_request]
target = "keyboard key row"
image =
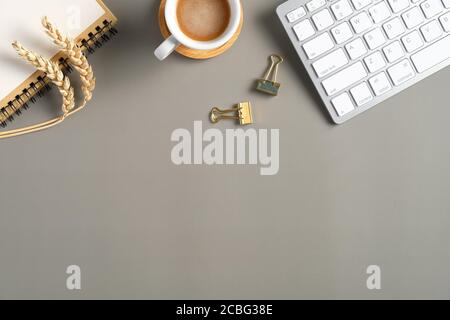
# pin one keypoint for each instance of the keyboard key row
(393, 52)
(361, 94)
(380, 84)
(379, 12)
(361, 23)
(343, 9)
(375, 39)
(399, 74)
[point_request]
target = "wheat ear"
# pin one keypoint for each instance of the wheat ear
(76, 58)
(53, 72)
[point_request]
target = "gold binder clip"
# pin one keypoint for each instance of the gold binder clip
(242, 112)
(271, 86)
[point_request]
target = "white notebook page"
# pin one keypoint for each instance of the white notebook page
(21, 20)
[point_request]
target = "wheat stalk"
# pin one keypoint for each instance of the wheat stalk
(53, 72)
(76, 57)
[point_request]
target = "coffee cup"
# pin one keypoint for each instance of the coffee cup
(199, 24)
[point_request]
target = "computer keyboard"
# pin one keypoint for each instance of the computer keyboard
(358, 53)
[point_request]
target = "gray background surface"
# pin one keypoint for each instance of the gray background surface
(100, 191)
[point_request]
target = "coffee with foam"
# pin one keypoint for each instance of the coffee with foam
(203, 20)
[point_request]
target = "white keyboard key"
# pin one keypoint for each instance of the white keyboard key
(315, 5)
(319, 45)
(431, 8)
(380, 84)
(344, 78)
(341, 9)
(394, 51)
(304, 30)
(432, 55)
(413, 17)
(398, 5)
(446, 3)
(445, 21)
(394, 28)
(359, 4)
(323, 19)
(361, 94)
(331, 62)
(361, 22)
(380, 12)
(356, 49)
(412, 41)
(401, 72)
(341, 33)
(375, 62)
(431, 31)
(296, 14)
(343, 104)
(375, 38)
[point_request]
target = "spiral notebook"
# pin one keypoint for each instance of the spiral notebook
(88, 21)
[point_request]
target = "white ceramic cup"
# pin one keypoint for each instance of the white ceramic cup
(179, 38)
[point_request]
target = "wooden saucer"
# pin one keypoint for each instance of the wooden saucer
(191, 53)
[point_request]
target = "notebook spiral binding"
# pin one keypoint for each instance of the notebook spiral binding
(38, 88)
